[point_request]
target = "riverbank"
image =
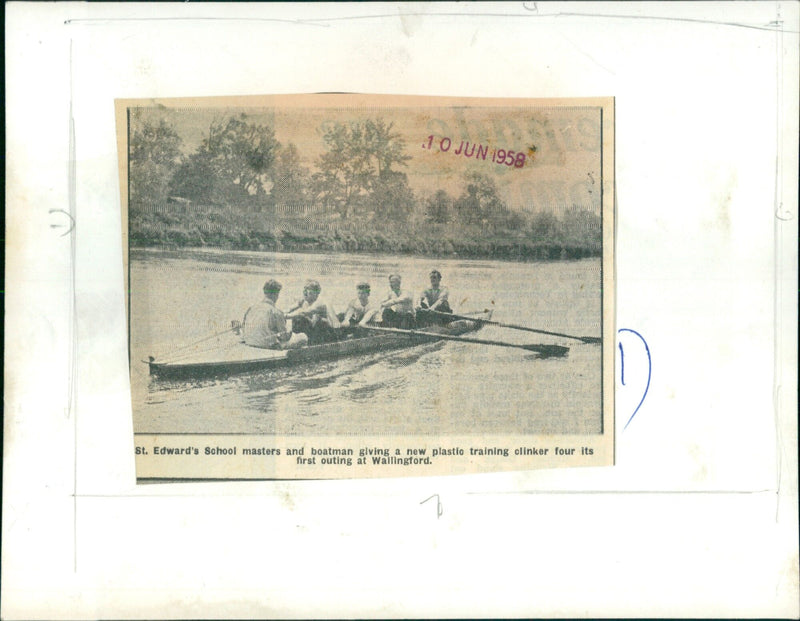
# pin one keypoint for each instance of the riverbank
(228, 230)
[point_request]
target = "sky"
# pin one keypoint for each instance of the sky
(561, 145)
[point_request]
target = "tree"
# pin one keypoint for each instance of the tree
(582, 227)
(194, 179)
(356, 169)
(341, 168)
(509, 219)
(232, 165)
(438, 207)
(384, 147)
(154, 154)
(545, 226)
(480, 203)
(290, 178)
(391, 197)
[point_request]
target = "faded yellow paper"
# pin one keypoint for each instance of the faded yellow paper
(509, 200)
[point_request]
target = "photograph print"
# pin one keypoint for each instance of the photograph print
(344, 286)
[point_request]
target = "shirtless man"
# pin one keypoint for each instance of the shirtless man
(313, 316)
(398, 306)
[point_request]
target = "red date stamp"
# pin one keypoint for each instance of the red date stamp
(502, 157)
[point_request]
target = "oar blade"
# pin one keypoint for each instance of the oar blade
(547, 351)
(593, 340)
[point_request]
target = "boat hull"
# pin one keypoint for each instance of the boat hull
(236, 357)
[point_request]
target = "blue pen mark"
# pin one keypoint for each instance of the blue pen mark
(649, 370)
(621, 364)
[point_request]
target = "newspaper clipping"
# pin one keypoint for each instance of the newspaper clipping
(345, 286)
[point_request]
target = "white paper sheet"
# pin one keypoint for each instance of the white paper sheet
(698, 517)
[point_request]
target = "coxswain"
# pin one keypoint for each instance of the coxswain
(313, 316)
(434, 298)
(264, 325)
(398, 307)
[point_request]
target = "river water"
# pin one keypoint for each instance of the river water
(178, 297)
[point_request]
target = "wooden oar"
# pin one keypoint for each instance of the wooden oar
(545, 350)
(585, 339)
(235, 325)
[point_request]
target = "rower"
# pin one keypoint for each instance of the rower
(359, 311)
(398, 306)
(264, 325)
(434, 298)
(313, 316)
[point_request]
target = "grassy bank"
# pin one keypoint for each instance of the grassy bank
(218, 227)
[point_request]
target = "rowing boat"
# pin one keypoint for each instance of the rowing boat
(229, 355)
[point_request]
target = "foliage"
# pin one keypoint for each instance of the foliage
(391, 197)
(290, 178)
(545, 225)
(231, 165)
(356, 172)
(154, 150)
(194, 179)
(207, 198)
(439, 207)
(582, 228)
(230, 228)
(480, 202)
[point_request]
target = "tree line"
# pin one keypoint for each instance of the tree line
(239, 165)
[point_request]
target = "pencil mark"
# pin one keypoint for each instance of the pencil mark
(170, 495)
(772, 26)
(72, 361)
(784, 215)
(439, 508)
(648, 492)
(586, 54)
(649, 370)
(61, 226)
(324, 22)
(99, 21)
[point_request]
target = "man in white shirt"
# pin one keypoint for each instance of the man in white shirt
(360, 310)
(434, 299)
(313, 316)
(398, 307)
